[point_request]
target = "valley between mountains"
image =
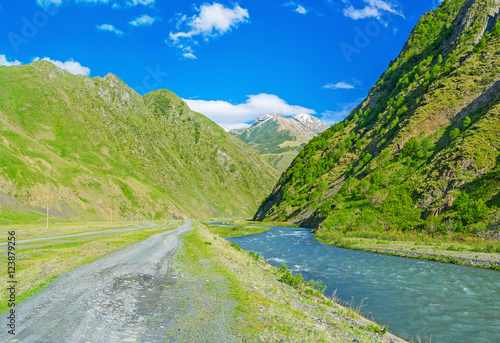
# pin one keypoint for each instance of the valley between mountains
(111, 197)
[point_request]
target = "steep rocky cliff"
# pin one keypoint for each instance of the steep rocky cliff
(422, 150)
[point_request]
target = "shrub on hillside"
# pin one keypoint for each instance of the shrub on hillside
(470, 211)
(454, 133)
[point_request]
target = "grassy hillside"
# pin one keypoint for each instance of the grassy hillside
(421, 152)
(86, 147)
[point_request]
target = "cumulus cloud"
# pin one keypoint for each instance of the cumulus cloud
(301, 9)
(48, 3)
(140, 2)
(211, 21)
(114, 3)
(296, 7)
(70, 66)
(5, 62)
(109, 28)
(143, 20)
(189, 55)
(338, 85)
(372, 9)
(235, 116)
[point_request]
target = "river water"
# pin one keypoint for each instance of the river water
(434, 302)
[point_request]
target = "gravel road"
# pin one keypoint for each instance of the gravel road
(115, 299)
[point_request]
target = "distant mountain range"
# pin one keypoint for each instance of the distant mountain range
(87, 147)
(279, 139)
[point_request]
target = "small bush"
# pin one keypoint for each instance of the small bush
(254, 256)
(467, 122)
(480, 45)
(376, 329)
(470, 211)
(454, 133)
(236, 246)
(296, 281)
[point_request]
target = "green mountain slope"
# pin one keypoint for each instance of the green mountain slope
(421, 152)
(86, 147)
(279, 139)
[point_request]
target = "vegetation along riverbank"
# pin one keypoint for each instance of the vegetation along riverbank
(272, 305)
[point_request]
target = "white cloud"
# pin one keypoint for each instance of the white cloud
(5, 62)
(109, 28)
(189, 55)
(338, 85)
(93, 1)
(297, 7)
(143, 20)
(48, 3)
(373, 9)
(140, 2)
(300, 9)
(114, 3)
(70, 66)
(332, 117)
(211, 21)
(234, 116)
(367, 12)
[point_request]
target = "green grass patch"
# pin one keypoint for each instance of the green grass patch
(237, 231)
(272, 305)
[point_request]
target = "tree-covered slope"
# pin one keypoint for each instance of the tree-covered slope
(86, 147)
(422, 150)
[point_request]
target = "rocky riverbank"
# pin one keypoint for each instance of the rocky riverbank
(431, 253)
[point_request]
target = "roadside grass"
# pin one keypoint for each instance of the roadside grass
(267, 309)
(40, 263)
(236, 231)
(39, 230)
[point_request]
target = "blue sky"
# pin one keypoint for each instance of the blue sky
(232, 61)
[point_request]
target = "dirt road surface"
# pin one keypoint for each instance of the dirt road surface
(119, 298)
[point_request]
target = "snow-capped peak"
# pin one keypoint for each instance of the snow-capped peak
(303, 117)
(262, 119)
(310, 123)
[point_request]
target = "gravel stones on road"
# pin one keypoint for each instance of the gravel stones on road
(123, 297)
